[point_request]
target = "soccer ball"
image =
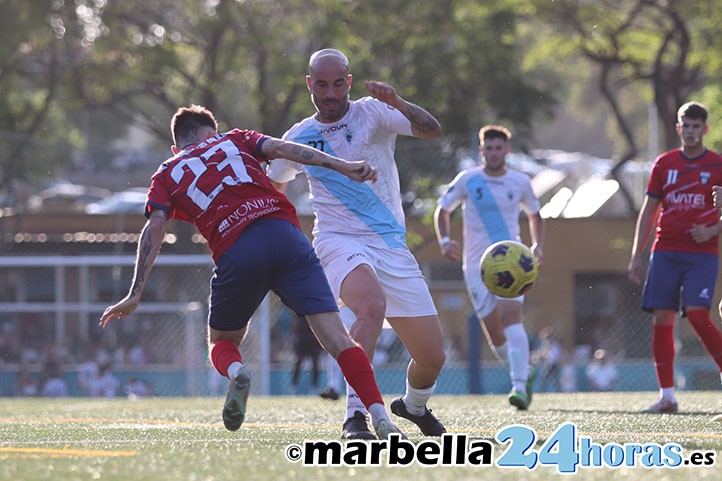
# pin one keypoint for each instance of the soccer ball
(508, 269)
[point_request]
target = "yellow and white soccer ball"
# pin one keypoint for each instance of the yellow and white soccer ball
(508, 269)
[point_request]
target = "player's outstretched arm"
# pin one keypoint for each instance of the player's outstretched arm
(151, 240)
(360, 170)
(423, 124)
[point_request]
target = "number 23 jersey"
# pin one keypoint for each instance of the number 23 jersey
(220, 186)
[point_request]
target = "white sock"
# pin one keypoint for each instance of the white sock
(518, 355)
(415, 399)
(353, 403)
(667, 393)
(233, 370)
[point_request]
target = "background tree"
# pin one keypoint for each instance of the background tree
(137, 61)
(97, 67)
(35, 135)
(654, 48)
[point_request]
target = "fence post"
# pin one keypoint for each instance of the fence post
(474, 355)
(264, 318)
(193, 352)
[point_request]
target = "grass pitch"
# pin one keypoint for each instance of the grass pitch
(183, 438)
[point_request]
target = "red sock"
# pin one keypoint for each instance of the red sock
(663, 353)
(357, 370)
(223, 353)
(708, 333)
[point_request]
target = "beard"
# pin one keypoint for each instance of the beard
(495, 166)
(333, 112)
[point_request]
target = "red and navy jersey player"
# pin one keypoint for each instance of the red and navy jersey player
(684, 260)
(684, 187)
(216, 182)
(193, 186)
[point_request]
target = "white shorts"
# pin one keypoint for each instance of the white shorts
(482, 300)
(407, 294)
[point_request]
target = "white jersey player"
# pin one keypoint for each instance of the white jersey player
(372, 212)
(360, 231)
(492, 196)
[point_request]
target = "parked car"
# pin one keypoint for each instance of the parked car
(130, 201)
(64, 196)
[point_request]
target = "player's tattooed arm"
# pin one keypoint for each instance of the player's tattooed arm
(307, 155)
(423, 124)
(304, 152)
(144, 250)
(151, 239)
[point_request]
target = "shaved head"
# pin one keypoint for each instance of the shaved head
(327, 54)
(329, 83)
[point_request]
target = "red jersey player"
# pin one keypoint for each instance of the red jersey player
(216, 182)
(684, 254)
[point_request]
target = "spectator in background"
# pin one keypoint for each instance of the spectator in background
(26, 385)
(305, 346)
(602, 374)
(53, 383)
(568, 377)
(138, 354)
(10, 351)
(137, 388)
(51, 358)
(550, 357)
(334, 380)
(217, 383)
(87, 373)
(105, 384)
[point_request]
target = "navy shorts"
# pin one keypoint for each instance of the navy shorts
(694, 275)
(270, 255)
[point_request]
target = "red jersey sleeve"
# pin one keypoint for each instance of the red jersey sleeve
(655, 182)
(159, 196)
(253, 141)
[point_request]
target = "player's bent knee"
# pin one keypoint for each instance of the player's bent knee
(234, 336)
(439, 360)
(432, 359)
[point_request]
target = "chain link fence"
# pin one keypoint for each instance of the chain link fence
(59, 271)
(49, 307)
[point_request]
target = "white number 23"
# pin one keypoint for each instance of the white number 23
(197, 167)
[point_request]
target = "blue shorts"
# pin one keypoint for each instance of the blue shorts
(270, 255)
(694, 275)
